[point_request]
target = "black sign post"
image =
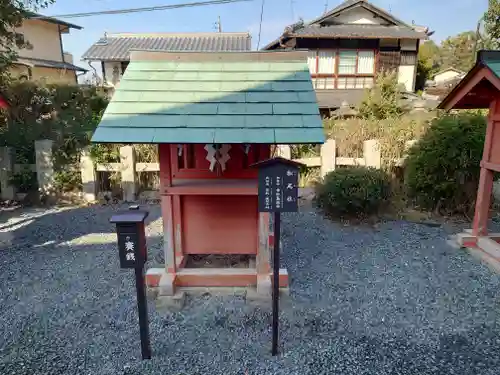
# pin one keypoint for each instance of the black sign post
(278, 192)
(133, 254)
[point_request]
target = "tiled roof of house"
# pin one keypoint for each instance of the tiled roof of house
(325, 26)
(48, 64)
(358, 31)
(232, 97)
(117, 47)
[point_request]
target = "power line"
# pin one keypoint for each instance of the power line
(260, 24)
(138, 10)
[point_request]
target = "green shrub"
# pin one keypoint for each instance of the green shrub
(353, 191)
(384, 99)
(24, 181)
(442, 169)
(65, 114)
(67, 180)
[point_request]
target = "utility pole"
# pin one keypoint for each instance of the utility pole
(476, 42)
(219, 25)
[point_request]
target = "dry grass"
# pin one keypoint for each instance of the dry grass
(393, 133)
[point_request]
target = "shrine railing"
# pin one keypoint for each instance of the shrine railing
(130, 173)
(328, 160)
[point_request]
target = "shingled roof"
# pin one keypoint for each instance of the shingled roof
(232, 97)
(117, 47)
(325, 26)
(358, 31)
(30, 61)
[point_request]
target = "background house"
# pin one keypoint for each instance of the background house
(349, 45)
(44, 58)
(442, 84)
(113, 50)
(447, 75)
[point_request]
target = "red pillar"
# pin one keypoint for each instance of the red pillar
(483, 201)
(485, 188)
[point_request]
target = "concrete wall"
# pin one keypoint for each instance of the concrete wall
(406, 76)
(358, 16)
(44, 37)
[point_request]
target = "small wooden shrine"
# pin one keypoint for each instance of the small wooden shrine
(480, 89)
(213, 115)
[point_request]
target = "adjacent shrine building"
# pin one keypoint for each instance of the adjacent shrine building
(480, 89)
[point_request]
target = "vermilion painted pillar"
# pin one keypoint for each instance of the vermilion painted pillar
(167, 282)
(485, 188)
(483, 201)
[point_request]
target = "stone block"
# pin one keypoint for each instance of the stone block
(166, 287)
(264, 286)
(171, 303)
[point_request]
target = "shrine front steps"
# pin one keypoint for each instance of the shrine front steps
(485, 248)
(195, 280)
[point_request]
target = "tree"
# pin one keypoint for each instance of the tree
(458, 51)
(384, 99)
(12, 13)
(429, 52)
(429, 63)
(492, 23)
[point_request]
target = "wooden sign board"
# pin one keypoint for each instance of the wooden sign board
(278, 185)
(131, 238)
(133, 254)
(278, 192)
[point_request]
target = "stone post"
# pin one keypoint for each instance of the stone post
(127, 160)
(371, 153)
(44, 166)
(328, 157)
(6, 168)
(263, 257)
(87, 173)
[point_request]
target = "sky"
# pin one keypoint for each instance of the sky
(445, 17)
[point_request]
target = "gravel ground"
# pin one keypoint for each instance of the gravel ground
(390, 300)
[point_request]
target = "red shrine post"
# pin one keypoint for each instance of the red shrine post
(213, 115)
(480, 89)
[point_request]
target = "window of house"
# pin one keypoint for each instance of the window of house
(408, 58)
(343, 69)
(347, 62)
(326, 62)
(366, 62)
(311, 62)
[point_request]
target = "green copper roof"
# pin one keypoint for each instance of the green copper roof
(233, 97)
(492, 60)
